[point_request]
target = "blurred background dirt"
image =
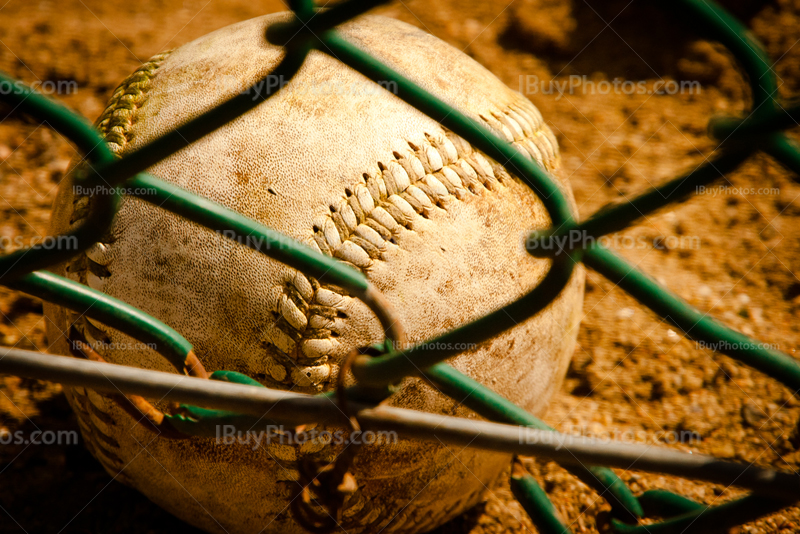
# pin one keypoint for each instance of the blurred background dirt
(734, 254)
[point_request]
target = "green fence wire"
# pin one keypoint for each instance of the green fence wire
(739, 138)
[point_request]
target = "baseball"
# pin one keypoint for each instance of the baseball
(343, 165)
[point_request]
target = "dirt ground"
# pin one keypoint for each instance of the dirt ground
(734, 253)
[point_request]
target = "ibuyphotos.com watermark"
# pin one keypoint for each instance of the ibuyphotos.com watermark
(531, 84)
(257, 242)
(727, 346)
(44, 87)
(729, 190)
(227, 86)
(432, 346)
(581, 434)
(576, 239)
(105, 190)
(48, 242)
(279, 435)
(39, 437)
(99, 346)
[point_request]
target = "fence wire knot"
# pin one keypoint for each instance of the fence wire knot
(332, 483)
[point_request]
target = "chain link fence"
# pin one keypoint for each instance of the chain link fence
(230, 398)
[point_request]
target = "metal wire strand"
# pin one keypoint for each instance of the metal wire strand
(297, 409)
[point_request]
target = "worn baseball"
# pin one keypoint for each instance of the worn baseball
(346, 167)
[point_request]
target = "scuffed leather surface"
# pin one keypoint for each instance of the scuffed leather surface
(285, 163)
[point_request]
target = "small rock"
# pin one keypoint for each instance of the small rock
(704, 291)
(753, 415)
(58, 167)
(10, 340)
(673, 335)
(724, 450)
(472, 28)
(693, 382)
(729, 369)
(625, 313)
